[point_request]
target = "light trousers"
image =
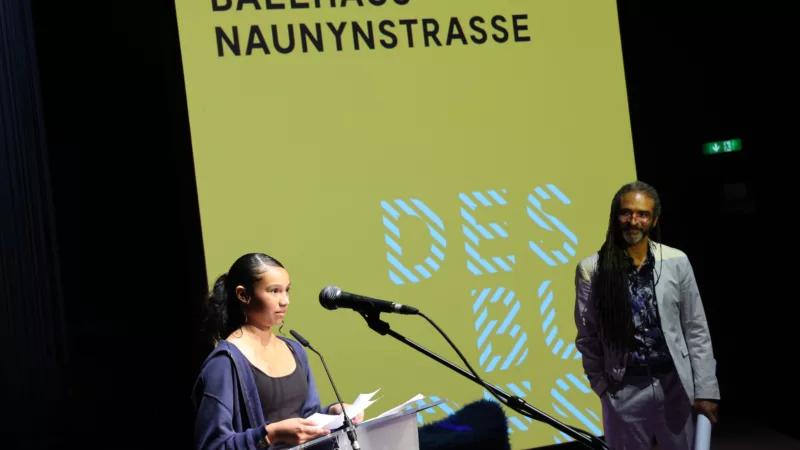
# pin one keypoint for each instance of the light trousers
(641, 408)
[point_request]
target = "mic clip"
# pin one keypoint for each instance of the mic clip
(374, 321)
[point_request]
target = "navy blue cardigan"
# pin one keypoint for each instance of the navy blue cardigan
(228, 411)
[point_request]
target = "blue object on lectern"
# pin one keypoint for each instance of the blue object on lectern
(478, 425)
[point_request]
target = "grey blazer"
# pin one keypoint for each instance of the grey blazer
(683, 321)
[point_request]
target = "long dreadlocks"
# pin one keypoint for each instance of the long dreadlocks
(611, 282)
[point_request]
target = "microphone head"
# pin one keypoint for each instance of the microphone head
(299, 338)
(328, 297)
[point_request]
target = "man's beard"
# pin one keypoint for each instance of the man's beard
(633, 239)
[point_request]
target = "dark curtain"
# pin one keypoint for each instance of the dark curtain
(34, 360)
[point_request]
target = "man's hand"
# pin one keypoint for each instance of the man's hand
(336, 409)
(707, 408)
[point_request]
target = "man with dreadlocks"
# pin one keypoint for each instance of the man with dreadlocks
(642, 331)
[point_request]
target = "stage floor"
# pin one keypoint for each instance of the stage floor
(740, 434)
(733, 433)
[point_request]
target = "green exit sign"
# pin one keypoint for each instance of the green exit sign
(713, 148)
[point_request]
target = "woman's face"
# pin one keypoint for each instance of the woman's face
(270, 297)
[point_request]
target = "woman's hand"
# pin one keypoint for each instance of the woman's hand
(294, 431)
(336, 409)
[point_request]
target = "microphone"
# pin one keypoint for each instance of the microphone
(331, 297)
(351, 432)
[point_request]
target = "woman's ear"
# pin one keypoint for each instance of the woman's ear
(242, 295)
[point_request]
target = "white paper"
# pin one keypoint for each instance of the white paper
(331, 422)
(362, 402)
(702, 433)
(399, 408)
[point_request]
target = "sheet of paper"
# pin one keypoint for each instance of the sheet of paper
(702, 433)
(331, 421)
(399, 408)
(363, 401)
(321, 420)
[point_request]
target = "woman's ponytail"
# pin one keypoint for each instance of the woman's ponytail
(217, 309)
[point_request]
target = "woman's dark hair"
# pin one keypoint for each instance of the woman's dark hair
(224, 311)
(611, 281)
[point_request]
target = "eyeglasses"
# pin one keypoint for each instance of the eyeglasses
(639, 216)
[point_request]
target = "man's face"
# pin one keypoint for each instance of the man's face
(636, 217)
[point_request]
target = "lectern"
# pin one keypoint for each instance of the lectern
(398, 431)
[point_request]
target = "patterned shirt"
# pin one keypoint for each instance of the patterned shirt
(651, 347)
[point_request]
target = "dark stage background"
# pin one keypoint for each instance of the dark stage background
(102, 258)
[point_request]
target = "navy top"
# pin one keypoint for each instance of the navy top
(281, 397)
(228, 412)
(650, 345)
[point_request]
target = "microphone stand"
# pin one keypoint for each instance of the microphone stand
(374, 321)
(349, 428)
